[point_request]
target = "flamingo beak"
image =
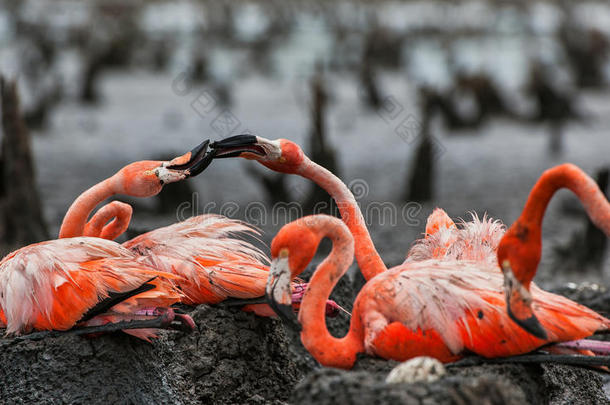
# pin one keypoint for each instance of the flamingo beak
(519, 304)
(234, 146)
(279, 293)
(194, 162)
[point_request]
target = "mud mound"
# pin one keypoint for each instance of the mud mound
(238, 358)
(496, 384)
(234, 358)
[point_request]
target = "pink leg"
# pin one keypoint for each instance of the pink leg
(596, 346)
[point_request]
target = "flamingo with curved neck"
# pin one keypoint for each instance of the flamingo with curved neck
(520, 249)
(440, 307)
(285, 156)
(139, 179)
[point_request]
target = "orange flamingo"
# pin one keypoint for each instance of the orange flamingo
(213, 264)
(432, 305)
(92, 283)
(520, 249)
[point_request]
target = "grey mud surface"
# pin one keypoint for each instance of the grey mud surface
(237, 358)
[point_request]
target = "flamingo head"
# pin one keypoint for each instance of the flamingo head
(518, 256)
(146, 178)
(280, 155)
(292, 250)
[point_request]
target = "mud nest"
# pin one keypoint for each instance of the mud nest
(237, 358)
(234, 357)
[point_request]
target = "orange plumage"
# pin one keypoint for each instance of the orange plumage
(207, 252)
(438, 305)
(51, 285)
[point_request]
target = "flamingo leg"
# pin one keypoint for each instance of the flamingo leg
(166, 319)
(596, 346)
(332, 308)
(537, 357)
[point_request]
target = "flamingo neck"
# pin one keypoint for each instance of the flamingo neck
(74, 222)
(324, 347)
(522, 243)
(573, 178)
(368, 258)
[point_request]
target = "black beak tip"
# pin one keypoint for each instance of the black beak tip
(234, 141)
(286, 314)
(202, 164)
(202, 147)
(531, 325)
(198, 154)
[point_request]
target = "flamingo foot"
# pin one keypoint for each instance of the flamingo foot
(184, 323)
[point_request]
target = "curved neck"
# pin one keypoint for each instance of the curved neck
(521, 245)
(110, 221)
(368, 258)
(573, 178)
(325, 348)
(74, 222)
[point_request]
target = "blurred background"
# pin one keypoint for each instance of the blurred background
(414, 104)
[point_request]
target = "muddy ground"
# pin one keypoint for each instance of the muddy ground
(238, 358)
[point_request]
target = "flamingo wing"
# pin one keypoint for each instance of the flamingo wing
(460, 306)
(208, 253)
(51, 285)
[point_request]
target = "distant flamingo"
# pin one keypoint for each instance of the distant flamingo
(442, 307)
(520, 249)
(285, 156)
(85, 282)
(205, 251)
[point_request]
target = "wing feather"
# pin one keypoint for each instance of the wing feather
(50, 285)
(209, 253)
(463, 301)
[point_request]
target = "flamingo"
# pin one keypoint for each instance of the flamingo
(92, 283)
(436, 304)
(85, 281)
(520, 249)
(213, 263)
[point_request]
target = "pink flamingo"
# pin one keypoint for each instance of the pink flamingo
(213, 264)
(520, 250)
(436, 304)
(92, 283)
